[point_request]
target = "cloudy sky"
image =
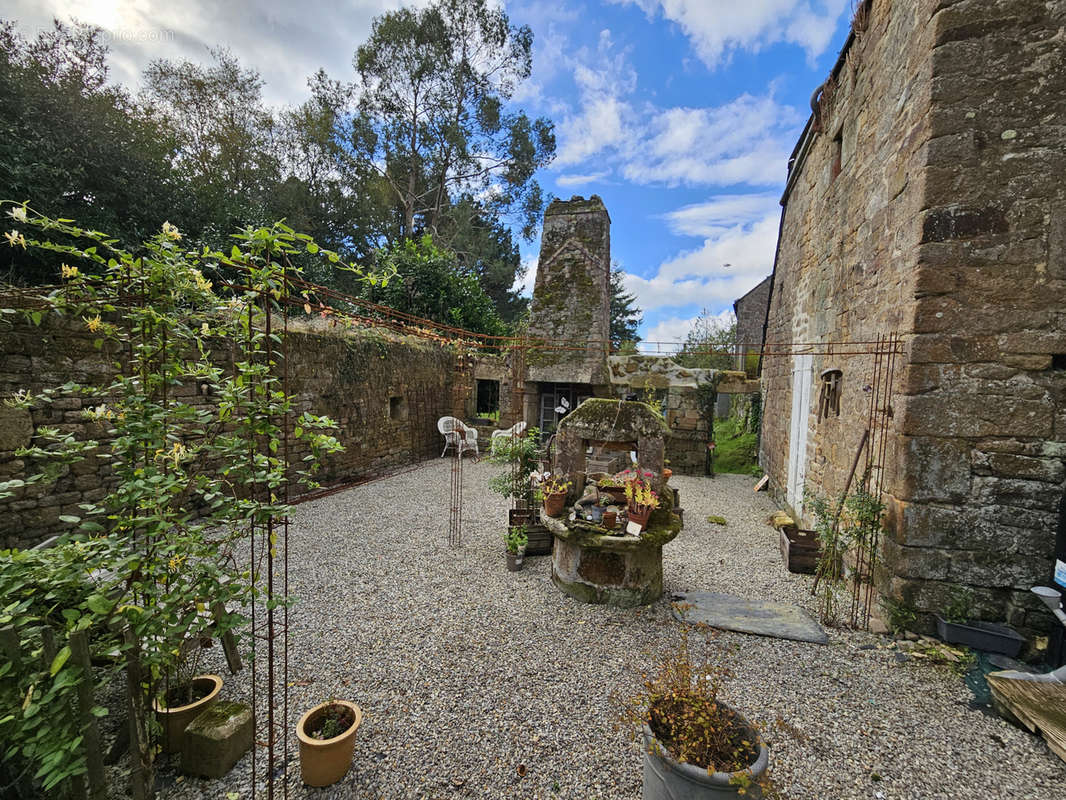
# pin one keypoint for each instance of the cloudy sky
(680, 114)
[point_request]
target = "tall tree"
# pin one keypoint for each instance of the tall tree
(224, 133)
(76, 147)
(625, 316)
(432, 87)
(485, 246)
(711, 344)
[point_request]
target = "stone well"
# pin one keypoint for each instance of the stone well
(590, 566)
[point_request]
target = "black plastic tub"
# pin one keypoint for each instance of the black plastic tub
(986, 636)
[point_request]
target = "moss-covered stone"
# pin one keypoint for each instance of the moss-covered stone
(601, 417)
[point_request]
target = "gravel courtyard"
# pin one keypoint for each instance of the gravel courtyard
(466, 672)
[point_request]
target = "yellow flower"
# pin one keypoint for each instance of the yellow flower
(202, 283)
(18, 213)
(68, 271)
(15, 238)
(204, 329)
(170, 231)
(93, 323)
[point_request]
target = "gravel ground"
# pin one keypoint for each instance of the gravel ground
(467, 672)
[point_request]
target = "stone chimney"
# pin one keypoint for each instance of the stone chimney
(571, 296)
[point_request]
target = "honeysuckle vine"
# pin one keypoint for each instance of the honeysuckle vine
(201, 440)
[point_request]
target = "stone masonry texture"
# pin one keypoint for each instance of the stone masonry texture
(384, 392)
(944, 221)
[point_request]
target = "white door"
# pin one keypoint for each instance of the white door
(802, 376)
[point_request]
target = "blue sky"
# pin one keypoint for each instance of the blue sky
(680, 114)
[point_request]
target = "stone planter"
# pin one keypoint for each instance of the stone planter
(325, 761)
(668, 779)
(175, 720)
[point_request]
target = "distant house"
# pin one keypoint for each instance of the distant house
(926, 198)
(750, 311)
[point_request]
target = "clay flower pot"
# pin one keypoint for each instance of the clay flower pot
(325, 761)
(610, 519)
(175, 720)
(554, 504)
(640, 515)
(667, 472)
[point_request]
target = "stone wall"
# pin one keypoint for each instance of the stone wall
(931, 204)
(751, 316)
(384, 392)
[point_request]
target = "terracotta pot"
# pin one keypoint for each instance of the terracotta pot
(640, 516)
(554, 504)
(325, 761)
(667, 472)
(610, 519)
(176, 720)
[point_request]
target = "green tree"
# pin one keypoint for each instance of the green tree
(485, 246)
(625, 316)
(224, 134)
(711, 344)
(77, 146)
(432, 122)
(430, 283)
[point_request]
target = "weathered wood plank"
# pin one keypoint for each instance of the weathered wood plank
(1039, 707)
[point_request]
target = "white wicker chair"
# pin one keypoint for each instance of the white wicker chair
(515, 431)
(457, 435)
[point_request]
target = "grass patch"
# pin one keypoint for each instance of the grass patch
(735, 451)
(717, 520)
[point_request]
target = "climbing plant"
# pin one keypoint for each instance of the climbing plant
(199, 449)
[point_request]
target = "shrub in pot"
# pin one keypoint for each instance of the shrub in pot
(327, 741)
(555, 492)
(695, 746)
(516, 540)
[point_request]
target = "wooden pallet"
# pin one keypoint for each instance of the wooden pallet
(1037, 707)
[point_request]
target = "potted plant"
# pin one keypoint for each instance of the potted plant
(667, 472)
(955, 627)
(641, 500)
(613, 488)
(555, 492)
(185, 697)
(516, 547)
(610, 517)
(519, 455)
(327, 741)
(695, 746)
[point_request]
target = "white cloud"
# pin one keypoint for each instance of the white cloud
(677, 329)
(604, 117)
(524, 283)
(740, 233)
(581, 180)
(717, 28)
(744, 141)
(285, 42)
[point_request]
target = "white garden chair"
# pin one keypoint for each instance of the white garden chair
(514, 431)
(457, 435)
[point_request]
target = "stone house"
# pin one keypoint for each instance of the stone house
(926, 198)
(750, 311)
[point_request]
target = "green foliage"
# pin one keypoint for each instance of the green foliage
(144, 560)
(519, 454)
(516, 538)
(736, 450)
(717, 520)
(899, 615)
(842, 525)
(78, 146)
(710, 344)
(625, 316)
(960, 605)
(433, 286)
(432, 119)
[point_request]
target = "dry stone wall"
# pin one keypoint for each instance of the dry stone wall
(386, 395)
(944, 220)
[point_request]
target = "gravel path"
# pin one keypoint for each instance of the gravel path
(466, 672)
